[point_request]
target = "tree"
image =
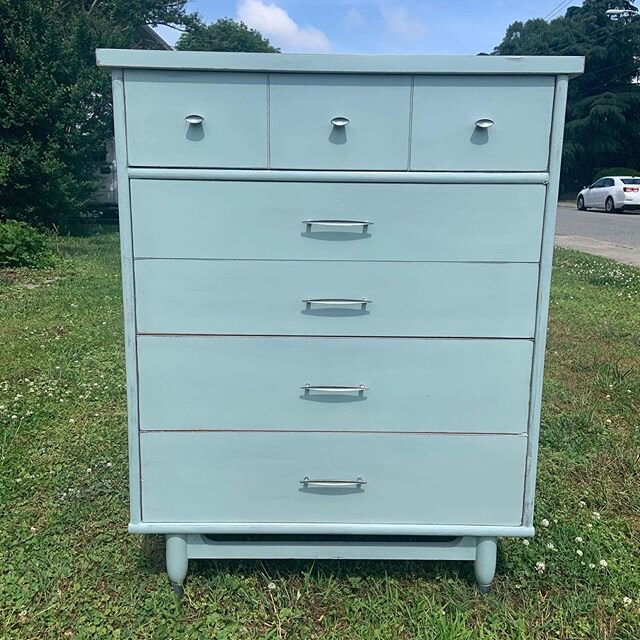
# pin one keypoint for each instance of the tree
(603, 111)
(224, 35)
(55, 111)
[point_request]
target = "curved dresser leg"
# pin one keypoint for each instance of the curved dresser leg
(485, 562)
(177, 561)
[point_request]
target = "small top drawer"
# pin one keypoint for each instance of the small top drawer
(481, 123)
(323, 121)
(196, 119)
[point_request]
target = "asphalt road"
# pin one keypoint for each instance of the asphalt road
(613, 235)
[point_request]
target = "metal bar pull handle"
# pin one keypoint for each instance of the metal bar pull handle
(338, 302)
(336, 484)
(484, 123)
(365, 224)
(334, 388)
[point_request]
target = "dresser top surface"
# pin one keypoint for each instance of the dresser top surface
(339, 63)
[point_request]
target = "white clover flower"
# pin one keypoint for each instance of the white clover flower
(108, 464)
(578, 539)
(608, 420)
(582, 503)
(579, 553)
(88, 469)
(71, 420)
(589, 526)
(540, 567)
(626, 601)
(271, 586)
(604, 564)
(595, 515)
(551, 546)
(608, 397)
(32, 529)
(525, 543)
(545, 522)
(592, 566)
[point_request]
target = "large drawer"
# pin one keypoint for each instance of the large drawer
(446, 108)
(371, 115)
(259, 478)
(233, 108)
(266, 220)
(429, 385)
(326, 298)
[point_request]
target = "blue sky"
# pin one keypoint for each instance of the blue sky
(377, 26)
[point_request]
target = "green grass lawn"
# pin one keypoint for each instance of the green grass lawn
(69, 569)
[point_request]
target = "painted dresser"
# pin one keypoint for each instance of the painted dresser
(336, 280)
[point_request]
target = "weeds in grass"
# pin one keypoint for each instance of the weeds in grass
(69, 569)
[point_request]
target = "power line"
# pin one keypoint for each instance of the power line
(556, 9)
(604, 36)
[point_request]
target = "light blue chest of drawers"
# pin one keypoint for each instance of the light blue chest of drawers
(336, 279)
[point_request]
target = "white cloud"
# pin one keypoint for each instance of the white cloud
(277, 25)
(401, 24)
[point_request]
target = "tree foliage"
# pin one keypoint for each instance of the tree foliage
(603, 111)
(55, 106)
(224, 35)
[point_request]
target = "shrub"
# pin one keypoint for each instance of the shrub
(21, 245)
(55, 103)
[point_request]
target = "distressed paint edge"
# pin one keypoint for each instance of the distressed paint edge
(329, 528)
(339, 63)
(275, 175)
(128, 294)
(544, 289)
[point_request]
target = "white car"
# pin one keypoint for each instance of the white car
(613, 193)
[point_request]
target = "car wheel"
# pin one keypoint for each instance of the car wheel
(580, 204)
(609, 206)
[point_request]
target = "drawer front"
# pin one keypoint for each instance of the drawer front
(268, 298)
(256, 477)
(266, 220)
(259, 383)
(302, 108)
(233, 132)
(446, 108)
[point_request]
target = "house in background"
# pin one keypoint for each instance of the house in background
(106, 195)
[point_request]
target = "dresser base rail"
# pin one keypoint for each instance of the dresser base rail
(180, 548)
(332, 528)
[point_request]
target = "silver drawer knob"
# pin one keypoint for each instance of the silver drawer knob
(194, 118)
(484, 123)
(339, 121)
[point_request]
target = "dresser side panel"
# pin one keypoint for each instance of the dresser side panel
(128, 292)
(544, 287)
